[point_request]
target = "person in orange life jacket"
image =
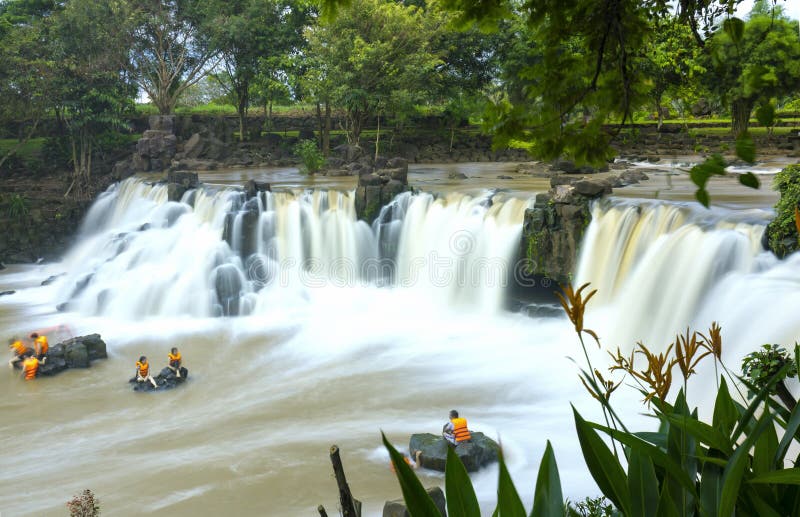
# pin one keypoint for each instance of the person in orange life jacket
(175, 361)
(19, 349)
(30, 367)
(41, 346)
(414, 464)
(143, 372)
(455, 431)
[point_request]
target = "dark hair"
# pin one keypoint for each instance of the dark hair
(453, 413)
(143, 358)
(35, 335)
(174, 350)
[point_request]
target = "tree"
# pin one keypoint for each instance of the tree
(671, 61)
(754, 61)
(374, 52)
(255, 38)
(170, 51)
(26, 70)
(91, 89)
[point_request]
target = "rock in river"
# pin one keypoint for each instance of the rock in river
(477, 453)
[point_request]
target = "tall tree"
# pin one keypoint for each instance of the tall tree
(754, 61)
(171, 51)
(91, 89)
(374, 52)
(253, 35)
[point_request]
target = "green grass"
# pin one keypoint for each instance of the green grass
(29, 148)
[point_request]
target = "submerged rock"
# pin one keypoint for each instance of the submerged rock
(166, 380)
(477, 453)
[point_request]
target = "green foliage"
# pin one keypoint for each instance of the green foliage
(782, 231)
(16, 206)
(762, 366)
(591, 507)
(310, 156)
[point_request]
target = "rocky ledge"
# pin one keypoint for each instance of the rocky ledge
(475, 454)
(166, 380)
(553, 229)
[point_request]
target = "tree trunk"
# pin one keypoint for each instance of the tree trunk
(378, 138)
(326, 135)
(452, 136)
(740, 116)
(659, 114)
(350, 507)
(320, 124)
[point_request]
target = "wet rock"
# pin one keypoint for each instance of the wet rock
(77, 352)
(397, 508)
(253, 187)
(504, 177)
(477, 453)
(165, 380)
(6, 293)
(457, 176)
(634, 176)
(591, 188)
(185, 179)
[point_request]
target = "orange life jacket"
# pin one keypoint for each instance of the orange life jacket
(144, 369)
(391, 463)
(174, 360)
(30, 366)
(460, 431)
(43, 346)
(19, 347)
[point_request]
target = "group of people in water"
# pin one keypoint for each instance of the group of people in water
(143, 367)
(30, 357)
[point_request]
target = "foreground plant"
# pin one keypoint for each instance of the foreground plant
(84, 505)
(737, 464)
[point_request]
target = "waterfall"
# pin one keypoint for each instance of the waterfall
(659, 267)
(216, 253)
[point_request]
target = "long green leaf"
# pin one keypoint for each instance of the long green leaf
(789, 434)
(781, 477)
(711, 484)
(725, 413)
(734, 473)
(547, 500)
(658, 456)
(666, 506)
(702, 432)
(763, 393)
(764, 452)
(508, 502)
(682, 448)
(461, 498)
(418, 502)
(603, 466)
(642, 484)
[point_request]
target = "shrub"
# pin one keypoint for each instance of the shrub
(782, 232)
(16, 206)
(311, 157)
(84, 505)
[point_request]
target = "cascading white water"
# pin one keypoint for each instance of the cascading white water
(655, 265)
(216, 253)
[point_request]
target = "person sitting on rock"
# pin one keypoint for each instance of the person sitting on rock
(143, 372)
(20, 351)
(30, 366)
(455, 431)
(41, 346)
(175, 362)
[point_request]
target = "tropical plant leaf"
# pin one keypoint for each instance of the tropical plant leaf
(781, 477)
(702, 432)
(746, 148)
(711, 486)
(765, 451)
(461, 499)
(547, 499)
(749, 179)
(666, 506)
(417, 499)
(789, 433)
(508, 502)
(733, 475)
(681, 447)
(642, 484)
(746, 419)
(725, 413)
(603, 466)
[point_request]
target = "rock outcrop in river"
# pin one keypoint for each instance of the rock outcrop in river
(166, 380)
(77, 352)
(478, 452)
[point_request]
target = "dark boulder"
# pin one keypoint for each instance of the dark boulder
(50, 279)
(77, 352)
(166, 380)
(477, 453)
(6, 293)
(397, 508)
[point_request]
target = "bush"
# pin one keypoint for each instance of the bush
(16, 206)
(310, 156)
(782, 232)
(84, 505)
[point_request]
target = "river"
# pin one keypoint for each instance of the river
(301, 346)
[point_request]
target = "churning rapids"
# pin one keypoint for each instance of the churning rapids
(303, 328)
